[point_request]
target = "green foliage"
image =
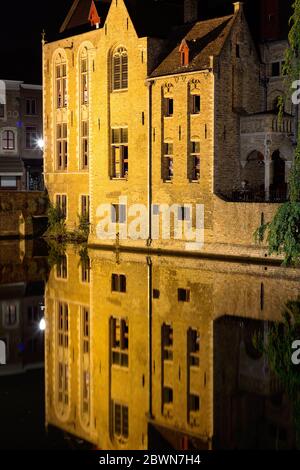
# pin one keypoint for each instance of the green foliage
(57, 229)
(56, 252)
(278, 349)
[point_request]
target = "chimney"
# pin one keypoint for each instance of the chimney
(238, 6)
(270, 20)
(190, 11)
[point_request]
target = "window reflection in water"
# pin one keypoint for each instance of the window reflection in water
(160, 353)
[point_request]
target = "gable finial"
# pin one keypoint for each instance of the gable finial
(94, 17)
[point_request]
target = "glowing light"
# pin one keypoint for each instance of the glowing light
(42, 325)
(40, 143)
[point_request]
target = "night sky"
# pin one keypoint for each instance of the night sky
(22, 22)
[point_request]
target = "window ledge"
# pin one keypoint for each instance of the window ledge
(122, 90)
(119, 179)
(168, 181)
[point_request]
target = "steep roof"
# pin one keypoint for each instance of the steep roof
(152, 18)
(204, 39)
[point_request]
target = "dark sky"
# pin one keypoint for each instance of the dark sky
(22, 22)
(21, 25)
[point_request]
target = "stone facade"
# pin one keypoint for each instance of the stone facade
(213, 117)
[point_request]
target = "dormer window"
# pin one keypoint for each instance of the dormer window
(184, 51)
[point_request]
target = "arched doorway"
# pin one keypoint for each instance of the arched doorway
(278, 186)
(254, 171)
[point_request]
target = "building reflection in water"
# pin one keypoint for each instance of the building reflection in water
(22, 283)
(146, 353)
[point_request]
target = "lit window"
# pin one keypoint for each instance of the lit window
(120, 153)
(120, 69)
(8, 140)
(8, 182)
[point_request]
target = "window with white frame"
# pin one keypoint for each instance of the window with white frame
(168, 155)
(85, 145)
(84, 73)
(61, 204)
(9, 182)
(31, 107)
(62, 146)
(120, 69)
(120, 155)
(120, 415)
(10, 315)
(61, 82)
(194, 161)
(8, 140)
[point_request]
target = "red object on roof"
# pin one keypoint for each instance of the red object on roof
(94, 18)
(184, 53)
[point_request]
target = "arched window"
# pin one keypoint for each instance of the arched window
(84, 77)
(120, 69)
(61, 82)
(8, 140)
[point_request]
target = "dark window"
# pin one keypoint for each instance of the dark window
(167, 396)
(85, 145)
(238, 51)
(184, 295)
(120, 342)
(120, 69)
(169, 107)
(118, 283)
(118, 214)
(62, 146)
(196, 104)
(2, 110)
(31, 137)
(31, 107)
(184, 214)
(86, 270)
(275, 69)
(156, 294)
(61, 204)
(167, 342)
(168, 172)
(194, 347)
(194, 403)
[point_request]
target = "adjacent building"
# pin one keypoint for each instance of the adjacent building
(21, 155)
(147, 103)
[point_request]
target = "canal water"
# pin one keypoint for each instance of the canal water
(116, 351)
